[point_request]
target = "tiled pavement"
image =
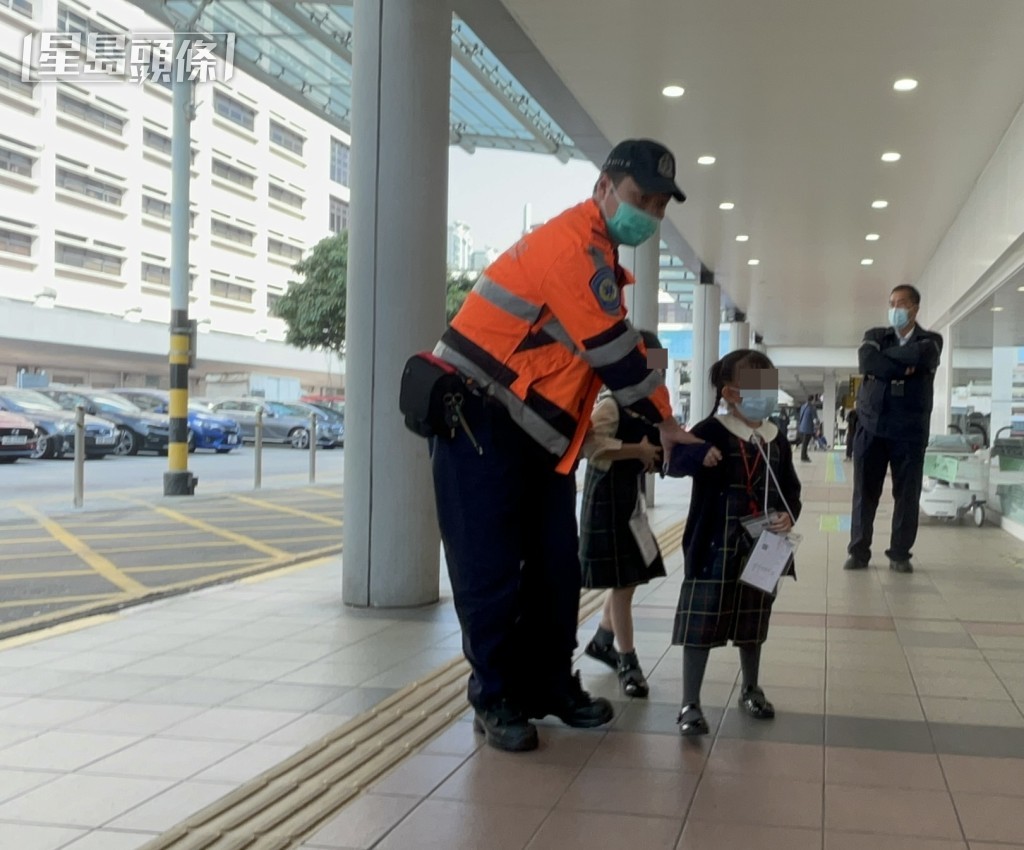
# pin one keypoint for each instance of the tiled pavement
(899, 725)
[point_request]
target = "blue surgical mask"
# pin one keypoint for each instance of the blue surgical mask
(899, 317)
(757, 405)
(631, 225)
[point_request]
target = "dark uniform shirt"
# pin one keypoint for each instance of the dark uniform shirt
(891, 403)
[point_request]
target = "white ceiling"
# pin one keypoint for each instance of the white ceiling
(795, 99)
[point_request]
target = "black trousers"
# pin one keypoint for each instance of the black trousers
(872, 454)
(805, 441)
(851, 435)
(508, 524)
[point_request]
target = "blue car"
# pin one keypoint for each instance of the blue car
(206, 430)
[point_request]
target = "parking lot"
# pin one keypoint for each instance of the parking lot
(130, 543)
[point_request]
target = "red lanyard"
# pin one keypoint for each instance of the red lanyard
(750, 469)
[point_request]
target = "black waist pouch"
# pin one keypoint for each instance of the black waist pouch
(426, 381)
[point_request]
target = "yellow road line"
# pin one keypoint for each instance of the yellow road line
(35, 556)
(56, 600)
(194, 565)
(295, 568)
(221, 532)
(160, 547)
(17, 541)
(100, 564)
(54, 574)
(54, 631)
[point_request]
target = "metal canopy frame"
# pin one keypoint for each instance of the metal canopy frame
(303, 50)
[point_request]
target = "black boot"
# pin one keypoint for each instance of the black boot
(575, 707)
(506, 727)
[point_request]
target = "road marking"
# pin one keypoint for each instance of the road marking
(251, 542)
(55, 631)
(57, 600)
(54, 574)
(194, 565)
(100, 564)
(271, 506)
(295, 568)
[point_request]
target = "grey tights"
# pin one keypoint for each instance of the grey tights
(695, 661)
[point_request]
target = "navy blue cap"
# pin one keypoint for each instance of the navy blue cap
(649, 163)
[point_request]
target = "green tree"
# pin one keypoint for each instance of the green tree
(459, 284)
(314, 308)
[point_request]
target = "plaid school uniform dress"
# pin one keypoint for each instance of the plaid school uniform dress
(714, 607)
(609, 553)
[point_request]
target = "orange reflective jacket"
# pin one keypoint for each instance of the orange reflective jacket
(544, 327)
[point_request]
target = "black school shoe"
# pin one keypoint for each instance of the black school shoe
(691, 721)
(753, 702)
(506, 727)
(575, 707)
(631, 677)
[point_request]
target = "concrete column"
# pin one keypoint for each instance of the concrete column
(943, 387)
(707, 312)
(828, 407)
(396, 273)
(739, 335)
(647, 269)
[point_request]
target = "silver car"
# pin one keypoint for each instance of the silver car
(282, 423)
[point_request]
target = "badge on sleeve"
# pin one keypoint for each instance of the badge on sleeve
(606, 290)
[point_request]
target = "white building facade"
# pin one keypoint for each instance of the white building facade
(85, 179)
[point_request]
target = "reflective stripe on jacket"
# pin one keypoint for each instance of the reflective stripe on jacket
(544, 327)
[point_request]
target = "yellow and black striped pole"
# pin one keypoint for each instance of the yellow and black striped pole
(178, 481)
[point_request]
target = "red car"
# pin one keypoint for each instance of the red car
(17, 437)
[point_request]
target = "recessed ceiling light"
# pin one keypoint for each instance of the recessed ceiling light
(879, 205)
(727, 205)
(997, 309)
(1020, 288)
(890, 156)
(872, 237)
(742, 237)
(753, 262)
(867, 261)
(906, 84)
(705, 160)
(673, 91)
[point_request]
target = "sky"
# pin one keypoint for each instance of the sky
(488, 190)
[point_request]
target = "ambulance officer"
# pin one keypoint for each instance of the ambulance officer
(543, 328)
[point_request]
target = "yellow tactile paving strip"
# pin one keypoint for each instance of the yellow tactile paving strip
(283, 806)
(57, 568)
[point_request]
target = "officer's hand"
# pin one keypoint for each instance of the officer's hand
(650, 455)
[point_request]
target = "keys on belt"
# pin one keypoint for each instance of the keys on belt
(454, 419)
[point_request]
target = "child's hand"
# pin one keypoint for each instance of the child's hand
(782, 523)
(650, 455)
(712, 457)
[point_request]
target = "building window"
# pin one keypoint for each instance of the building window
(232, 232)
(22, 7)
(339, 162)
(283, 249)
(235, 175)
(13, 82)
(72, 22)
(16, 163)
(152, 273)
(272, 299)
(288, 139)
(91, 114)
(157, 141)
(285, 196)
(231, 291)
(89, 186)
(234, 110)
(338, 218)
(85, 258)
(13, 242)
(155, 207)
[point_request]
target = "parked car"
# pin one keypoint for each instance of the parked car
(56, 425)
(17, 437)
(331, 415)
(138, 431)
(330, 426)
(282, 423)
(331, 402)
(206, 430)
